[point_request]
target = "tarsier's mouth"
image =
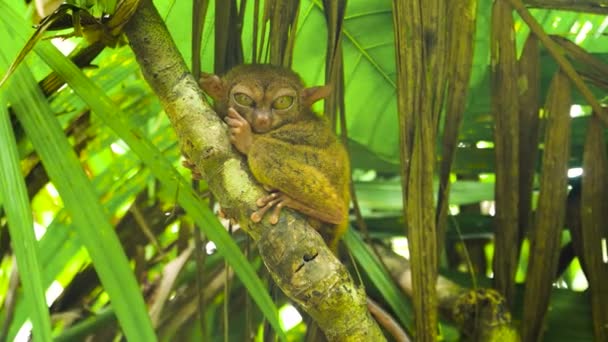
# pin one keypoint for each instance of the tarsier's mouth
(260, 129)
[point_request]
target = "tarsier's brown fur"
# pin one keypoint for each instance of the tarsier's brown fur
(290, 150)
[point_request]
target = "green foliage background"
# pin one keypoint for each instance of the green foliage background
(127, 157)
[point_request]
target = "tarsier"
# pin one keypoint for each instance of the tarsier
(290, 150)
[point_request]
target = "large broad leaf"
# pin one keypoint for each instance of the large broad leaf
(385, 196)
(370, 76)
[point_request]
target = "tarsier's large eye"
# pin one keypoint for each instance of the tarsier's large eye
(283, 102)
(243, 99)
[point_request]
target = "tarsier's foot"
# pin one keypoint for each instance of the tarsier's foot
(276, 199)
(190, 165)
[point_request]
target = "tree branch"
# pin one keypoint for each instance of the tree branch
(480, 313)
(588, 6)
(560, 59)
(294, 253)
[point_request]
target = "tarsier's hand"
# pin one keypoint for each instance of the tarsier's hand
(240, 131)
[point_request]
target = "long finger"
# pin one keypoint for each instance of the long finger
(232, 122)
(234, 114)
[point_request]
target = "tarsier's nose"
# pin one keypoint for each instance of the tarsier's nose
(261, 122)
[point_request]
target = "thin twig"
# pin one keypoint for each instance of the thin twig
(145, 228)
(387, 321)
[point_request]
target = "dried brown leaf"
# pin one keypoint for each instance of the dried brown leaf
(505, 103)
(460, 61)
(421, 52)
(594, 215)
(550, 214)
(529, 105)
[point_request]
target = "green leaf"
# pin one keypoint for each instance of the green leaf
(59, 244)
(380, 278)
(385, 195)
(13, 194)
(90, 221)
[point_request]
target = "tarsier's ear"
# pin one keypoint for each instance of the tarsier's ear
(212, 85)
(314, 94)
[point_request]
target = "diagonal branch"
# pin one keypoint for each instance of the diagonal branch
(294, 253)
(589, 6)
(559, 57)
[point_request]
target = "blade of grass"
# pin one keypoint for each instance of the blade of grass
(56, 248)
(90, 221)
(59, 245)
(21, 228)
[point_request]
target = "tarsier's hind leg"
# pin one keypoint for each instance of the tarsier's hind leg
(302, 187)
(279, 200)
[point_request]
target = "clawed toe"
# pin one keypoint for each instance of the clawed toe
(255, 217)
(274, 218)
